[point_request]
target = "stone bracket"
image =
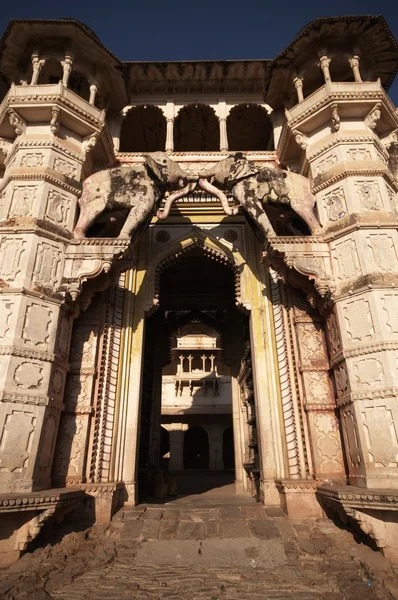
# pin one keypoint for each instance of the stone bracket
(88, 258)
(308, 257)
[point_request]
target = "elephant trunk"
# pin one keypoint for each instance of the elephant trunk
(209, 187)
(163, 214)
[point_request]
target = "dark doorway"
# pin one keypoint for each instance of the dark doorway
(196, 448)
(228, 448)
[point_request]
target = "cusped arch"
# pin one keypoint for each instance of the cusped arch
(196, 128)
(177, 249)
(249, 127)
(143, 129)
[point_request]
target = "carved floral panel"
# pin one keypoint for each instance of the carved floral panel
(32, 159)
(29, 374)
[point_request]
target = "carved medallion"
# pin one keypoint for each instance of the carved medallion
(29, 375)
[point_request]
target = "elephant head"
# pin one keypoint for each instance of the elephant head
(170, 175)
(226, 174)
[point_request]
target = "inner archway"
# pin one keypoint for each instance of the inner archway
(196, 448)
(196, 128)
(195, 341)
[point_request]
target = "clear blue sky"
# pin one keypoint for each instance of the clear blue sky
(197, 29)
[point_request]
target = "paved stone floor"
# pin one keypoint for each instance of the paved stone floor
(218, 550)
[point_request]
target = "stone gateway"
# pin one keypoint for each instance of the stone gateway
(198, 278)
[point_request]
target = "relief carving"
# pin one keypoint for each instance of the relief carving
(11, 251)
(32, 159)
(335, 204)
(47, 264)
(383, 252)
(22, 201)
(58, 208)
(351, 437)
(347, 260)
(341, 379)
(16, 440)
(311, 342)
(317, 385)
(381, 436)
(36, 328)
(65, 167)
(57, 381)
(29, 375)
(358, 319)
(369, 195)
(78, 391)
(327, 440)
(390, 307)
(5, 313)
(326, 164)
(369, 371)
(359, 154)
(333, 333)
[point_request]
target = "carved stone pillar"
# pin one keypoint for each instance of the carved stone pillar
(176, 431)
(36, 218)
(67, 67)
(93, 92)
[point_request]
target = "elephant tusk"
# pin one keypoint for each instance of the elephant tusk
(163, 214)
(208, 187)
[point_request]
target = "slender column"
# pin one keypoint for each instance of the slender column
(298, 84)
(67, 66)
(170, 134)
(354, 64)
(93, 93)
(324, 62)
(223, 134)
(37, 66)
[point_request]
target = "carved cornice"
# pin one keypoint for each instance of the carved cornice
(34, 354)
(347, 139)
(43, 143)
(355, 173)
(361, 350)
(367, 395)
(361, 498)
(47, 175)
(57, 99)
(101, 488)
(38, 226)
(38, 500)
(351, 96)
(40, 400)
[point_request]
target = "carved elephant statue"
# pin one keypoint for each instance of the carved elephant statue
(139, 187)
(254, 186)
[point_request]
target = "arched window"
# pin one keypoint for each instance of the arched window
(51, 72)
(249, 128)
(196, 128)
(143, 130)
(196, 448)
